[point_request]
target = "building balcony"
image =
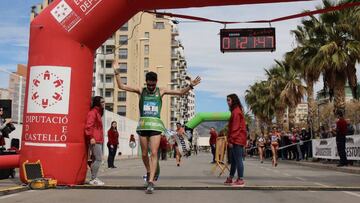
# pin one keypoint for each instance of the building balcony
(174, 31)
(109, 85)
(110, 41)
(175, 43)
(109, 71)
(109, 100)
(175, 56)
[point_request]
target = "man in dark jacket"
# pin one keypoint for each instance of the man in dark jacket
(341, 130)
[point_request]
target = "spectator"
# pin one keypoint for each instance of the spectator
(163, 147)
(3, 123)
(237, 140)
(113, 143)
(95, 136)
(341, 130)
(212, 142)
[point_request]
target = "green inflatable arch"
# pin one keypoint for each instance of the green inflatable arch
(207, 116)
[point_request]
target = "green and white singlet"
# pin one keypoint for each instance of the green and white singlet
(150, 108)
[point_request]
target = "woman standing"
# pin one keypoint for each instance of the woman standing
(237, 140)
(95, 136)
(113, 143)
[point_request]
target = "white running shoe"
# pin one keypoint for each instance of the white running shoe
(96, 181)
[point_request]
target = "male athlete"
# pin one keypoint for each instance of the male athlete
(150, 126)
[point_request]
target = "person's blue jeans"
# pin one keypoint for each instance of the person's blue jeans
(237, 164)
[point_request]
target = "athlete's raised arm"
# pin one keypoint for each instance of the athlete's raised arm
(183, 91)
(118, 80)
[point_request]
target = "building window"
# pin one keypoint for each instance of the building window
(108, 64)
(147, 35)
(122, 68)
(123, 80)
(109, 107)
(109, 49)
(108, 93)
(123, 53)
(124, 27)
(123, 39)
(145, 72)
(146, 62)
(159, 25)
(121, 96)
(94, 82)
(109, 78)
(122, 110)
(146, 49)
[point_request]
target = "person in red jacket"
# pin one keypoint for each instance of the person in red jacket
(212, 142)
(341, 131)
(236, 140)
(95, 136)
(112, 144)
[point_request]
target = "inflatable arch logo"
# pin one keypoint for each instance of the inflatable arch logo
(63, 39)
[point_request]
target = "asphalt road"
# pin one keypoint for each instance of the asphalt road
(195, 172)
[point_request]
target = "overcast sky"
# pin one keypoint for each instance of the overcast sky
(222, 74)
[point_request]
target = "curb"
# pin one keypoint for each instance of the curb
(345, 169)
(263, 188)
(12, 190)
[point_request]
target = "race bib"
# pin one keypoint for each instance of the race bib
(274, 138)
(151, 108)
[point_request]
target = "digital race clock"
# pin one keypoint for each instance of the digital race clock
(248, 39)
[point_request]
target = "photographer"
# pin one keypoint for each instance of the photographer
(3, 125)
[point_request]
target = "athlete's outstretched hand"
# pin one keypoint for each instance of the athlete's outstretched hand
(196, 81)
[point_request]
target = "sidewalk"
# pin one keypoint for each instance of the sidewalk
(9, 186)
(325, 165)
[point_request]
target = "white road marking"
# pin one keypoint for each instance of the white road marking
(8, 196)
(321, 184)
(302, 179)
(352, 193)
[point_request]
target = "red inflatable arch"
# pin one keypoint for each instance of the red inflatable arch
(63, 39)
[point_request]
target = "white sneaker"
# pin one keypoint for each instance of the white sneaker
(96, 181)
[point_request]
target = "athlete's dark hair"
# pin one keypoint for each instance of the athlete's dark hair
(151, 76)
(235, 101)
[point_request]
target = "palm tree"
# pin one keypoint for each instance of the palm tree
(257, 98)
(293, 91)
(300, 58)
(338, 54)
(276, 84)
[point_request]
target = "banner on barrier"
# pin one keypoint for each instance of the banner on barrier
(326, 148)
